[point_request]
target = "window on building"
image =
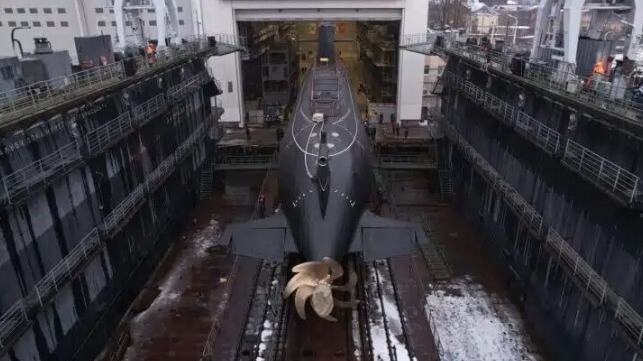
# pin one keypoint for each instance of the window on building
(101, 23)
(128, 23)
(62, 11)
(426, 69)
(113, 23)
(20, 10)
(8, 10)
(111, 11)
(11, 24)
(151, 10)
(142, 22)
(0, 23)
(50, 24)
(99, 10)
(181, 22)
(179, 9)
(440, 69)
(7, 72)
(33, 11)
(229, 87)
(36, 24)
(64, 24)
(152, 23)
(425, 92)
(24, 23)
(46, 10)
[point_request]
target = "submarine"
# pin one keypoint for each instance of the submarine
(325, 182)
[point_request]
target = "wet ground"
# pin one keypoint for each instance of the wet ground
(174, 313)
(472, 311)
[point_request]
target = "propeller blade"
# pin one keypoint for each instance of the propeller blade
(318, 269)
(322, 300)
(298, 280)
(336, 270)
(303, 293)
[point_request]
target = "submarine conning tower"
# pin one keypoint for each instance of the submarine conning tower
(326, 39)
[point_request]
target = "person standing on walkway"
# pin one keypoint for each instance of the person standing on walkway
(406, 133)
(261, 210)
(247, 132)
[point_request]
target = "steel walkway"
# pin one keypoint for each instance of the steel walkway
(266, 162)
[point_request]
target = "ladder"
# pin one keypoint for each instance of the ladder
(446, 184)
(205, 183)
(435, 258)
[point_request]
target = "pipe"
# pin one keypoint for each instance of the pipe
(14, 40)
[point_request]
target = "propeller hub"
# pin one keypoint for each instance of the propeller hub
(314, 280)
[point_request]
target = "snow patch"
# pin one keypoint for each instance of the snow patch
(475, 325)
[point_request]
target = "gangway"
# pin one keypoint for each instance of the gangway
(404, 162)
(269, 161)
(247, 162)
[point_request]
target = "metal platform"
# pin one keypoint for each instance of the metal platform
(267, 162)
(26, 102)
(551, 80)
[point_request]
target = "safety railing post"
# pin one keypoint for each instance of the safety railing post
(618, 175)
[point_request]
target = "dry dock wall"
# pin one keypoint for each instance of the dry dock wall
(83, 229)
(605, 231)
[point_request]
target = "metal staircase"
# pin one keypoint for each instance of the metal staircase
(205, 183)
(446, 184)
(435, 258)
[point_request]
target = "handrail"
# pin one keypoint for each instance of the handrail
(17, 317)
(21, 182)
(151, 108)
(560, 250)
(21, 101)
(101, 138)
(395, 158)
(12, 320)
(588, 90)
(532, 129)
(605, 174)
(66, 268)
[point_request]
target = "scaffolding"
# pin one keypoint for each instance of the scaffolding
(594, 287)
(618, 183)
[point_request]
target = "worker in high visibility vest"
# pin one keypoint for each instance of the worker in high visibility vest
(149, 53)
(599, 68)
